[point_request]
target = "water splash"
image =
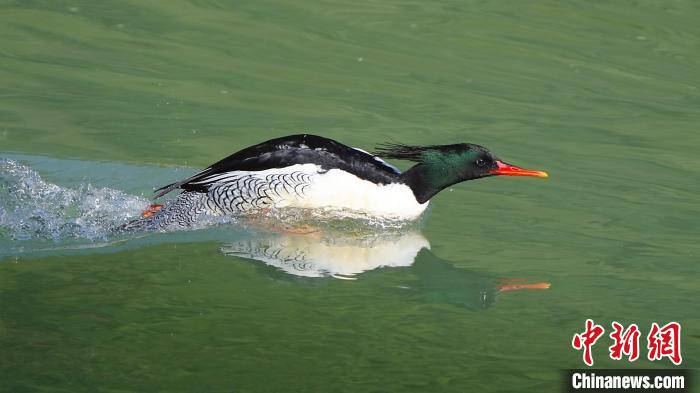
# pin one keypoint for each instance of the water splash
(78, 209)
(33, 208)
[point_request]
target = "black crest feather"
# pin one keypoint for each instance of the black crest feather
(400, 151)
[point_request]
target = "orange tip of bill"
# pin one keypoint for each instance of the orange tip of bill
(515, 287)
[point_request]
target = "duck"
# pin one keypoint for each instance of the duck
(308, 171)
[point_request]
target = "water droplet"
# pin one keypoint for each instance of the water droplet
(360, 59)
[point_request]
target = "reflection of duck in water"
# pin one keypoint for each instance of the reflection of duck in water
(315, 255)
(439, 281)
(312, 172)
(344, 256)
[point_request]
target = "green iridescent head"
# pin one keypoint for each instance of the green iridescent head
(441, 166)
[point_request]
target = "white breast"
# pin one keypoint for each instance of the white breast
(340, 189)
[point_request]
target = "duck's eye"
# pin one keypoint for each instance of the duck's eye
(480, 162)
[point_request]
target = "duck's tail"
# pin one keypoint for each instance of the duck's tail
(180, 212)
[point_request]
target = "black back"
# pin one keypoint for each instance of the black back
(292, 150)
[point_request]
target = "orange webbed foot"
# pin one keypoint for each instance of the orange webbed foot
(151, 210)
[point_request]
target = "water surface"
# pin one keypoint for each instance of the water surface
(123, 97)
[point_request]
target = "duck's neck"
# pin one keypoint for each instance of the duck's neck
(426, 180)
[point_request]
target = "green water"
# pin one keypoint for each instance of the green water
(603, 95)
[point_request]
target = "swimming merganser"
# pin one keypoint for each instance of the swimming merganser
(309, 171)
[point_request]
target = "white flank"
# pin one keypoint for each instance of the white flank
(340, 190)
